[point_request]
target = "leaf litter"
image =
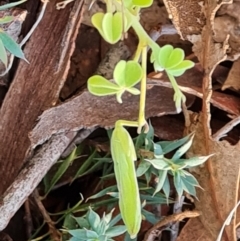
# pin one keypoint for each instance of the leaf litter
(220, 185)
(213, 42)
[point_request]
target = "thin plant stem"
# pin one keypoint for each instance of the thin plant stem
(141, 117)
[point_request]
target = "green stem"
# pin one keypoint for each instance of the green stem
(141, 117)
(173, 82)
(126, 123)
(109, 6)
(141, 33)
(138, 52)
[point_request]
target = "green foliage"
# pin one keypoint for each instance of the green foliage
(126, 75)
(119, 17)
(124, 155)
(6, 41)
(62, 169)
(94, 228)
(160, 166)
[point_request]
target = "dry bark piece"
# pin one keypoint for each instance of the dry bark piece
(87, 111)
(194, 230)
(191, 83)
(176, 217)
(84, 60)
(220, 185)
(233, 77)
(168, 127)
(187, 16)
(190, 19)
(13, 29)
(36, 85)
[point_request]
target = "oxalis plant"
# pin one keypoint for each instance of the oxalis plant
(113, 25)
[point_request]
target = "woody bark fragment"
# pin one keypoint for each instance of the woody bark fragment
(36, 86)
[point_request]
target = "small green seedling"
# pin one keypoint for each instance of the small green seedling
(119, 17)
(92, 228)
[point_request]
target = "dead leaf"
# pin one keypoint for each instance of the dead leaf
(233, 77)
(191, 83)
(162, 129)
(219, 179)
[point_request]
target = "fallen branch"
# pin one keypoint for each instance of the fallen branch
(149, 236)
(32, 174)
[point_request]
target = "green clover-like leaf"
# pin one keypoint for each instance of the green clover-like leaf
(142, 3)
(171, 60)
(99, 86)
(97, 19)
(112, 27)
(175, 58)
(127, 73)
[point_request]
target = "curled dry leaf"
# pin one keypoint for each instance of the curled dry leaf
(233, 77)
(219, 179)
(220, 176)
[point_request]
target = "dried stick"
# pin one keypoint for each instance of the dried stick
(31, 176)
(28, 219)
(54, 233)
(225, 129)
(169, 219)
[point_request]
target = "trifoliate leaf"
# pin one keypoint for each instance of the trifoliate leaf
(119, 73)
(100, 86)
(112, 27)
(175, 58)
(97, 19)
(133, 91)
(127, 74)
(164, 54)
(142, 3)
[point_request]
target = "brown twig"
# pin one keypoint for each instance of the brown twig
(169, 219)
(225, 129)
(54, 233)
(28, 219)
(31, 175)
